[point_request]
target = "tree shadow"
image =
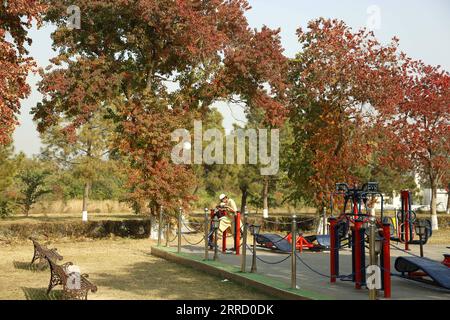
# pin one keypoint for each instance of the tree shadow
(41, 294)
(35, 267)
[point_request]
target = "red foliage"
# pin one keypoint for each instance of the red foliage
(126, 53)
(341, 79)
(421, 120)
(15, 18)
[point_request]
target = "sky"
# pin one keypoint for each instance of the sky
(423, 28)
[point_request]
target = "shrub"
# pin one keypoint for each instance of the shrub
(5, 208)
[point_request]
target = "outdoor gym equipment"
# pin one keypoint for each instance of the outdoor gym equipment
(274, 242)
(405, 222)
(283, 244)
(446, 261)
(424, 270)
(220, 212)
(357, 217)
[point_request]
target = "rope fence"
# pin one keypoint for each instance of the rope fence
(191, 243)
(269, 262)
(192, 228)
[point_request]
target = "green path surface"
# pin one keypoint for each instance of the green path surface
(313, 282)
(251, 276)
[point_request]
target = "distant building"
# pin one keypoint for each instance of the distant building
(442, 198)
(421, 201)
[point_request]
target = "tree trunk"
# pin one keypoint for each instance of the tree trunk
(244, 200)
(152, 210)
(448, 200)
(86, 196)
(266, 196)
(433, 205)
(27, 210)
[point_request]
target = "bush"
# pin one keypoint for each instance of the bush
(5, 208)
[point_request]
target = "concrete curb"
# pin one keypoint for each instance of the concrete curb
(258, 282)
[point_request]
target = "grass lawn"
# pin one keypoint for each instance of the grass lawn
(441, 236)
(121, 269)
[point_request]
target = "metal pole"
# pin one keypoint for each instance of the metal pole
(224, 241)
(160, 225)
(244, 242)
(421, 245)
(215, 238)
(179, 230)
(254, 269)
(324, 221)
(237, 233)
(334, 251)
(357, 254)
(373, 257)
(206, 233)
(406, 215)
(387, 260)
(293, 254)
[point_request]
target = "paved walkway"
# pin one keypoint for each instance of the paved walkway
(402, 289)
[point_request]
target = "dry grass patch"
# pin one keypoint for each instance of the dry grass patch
(122, 269)
(441, 236)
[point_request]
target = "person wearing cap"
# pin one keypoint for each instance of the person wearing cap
(225, 223)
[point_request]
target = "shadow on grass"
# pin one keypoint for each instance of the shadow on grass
(160, 279)
(41, 294)
(35, 267)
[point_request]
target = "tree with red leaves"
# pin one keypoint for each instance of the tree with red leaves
(15, 18)
(421, 124)
(339, 81)
(156, 65)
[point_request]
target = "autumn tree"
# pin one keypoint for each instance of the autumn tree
(156, 65)
(16, 18)
(421, 124)
(339, 81)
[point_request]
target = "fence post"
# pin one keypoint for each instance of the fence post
(293, 253)
(253, 269)
(206, 233)
(160, 225)
(180, 212)
(244, 242)
(237, 233)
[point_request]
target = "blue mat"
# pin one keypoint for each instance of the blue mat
(435, 270)
(273, 241)
(323, 240)
(277, 242)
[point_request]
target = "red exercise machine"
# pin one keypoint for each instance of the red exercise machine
(357, 216)
(405, 223)
(219, 213)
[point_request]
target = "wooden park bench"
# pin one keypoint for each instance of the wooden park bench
(75, 286)
(44, 254)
